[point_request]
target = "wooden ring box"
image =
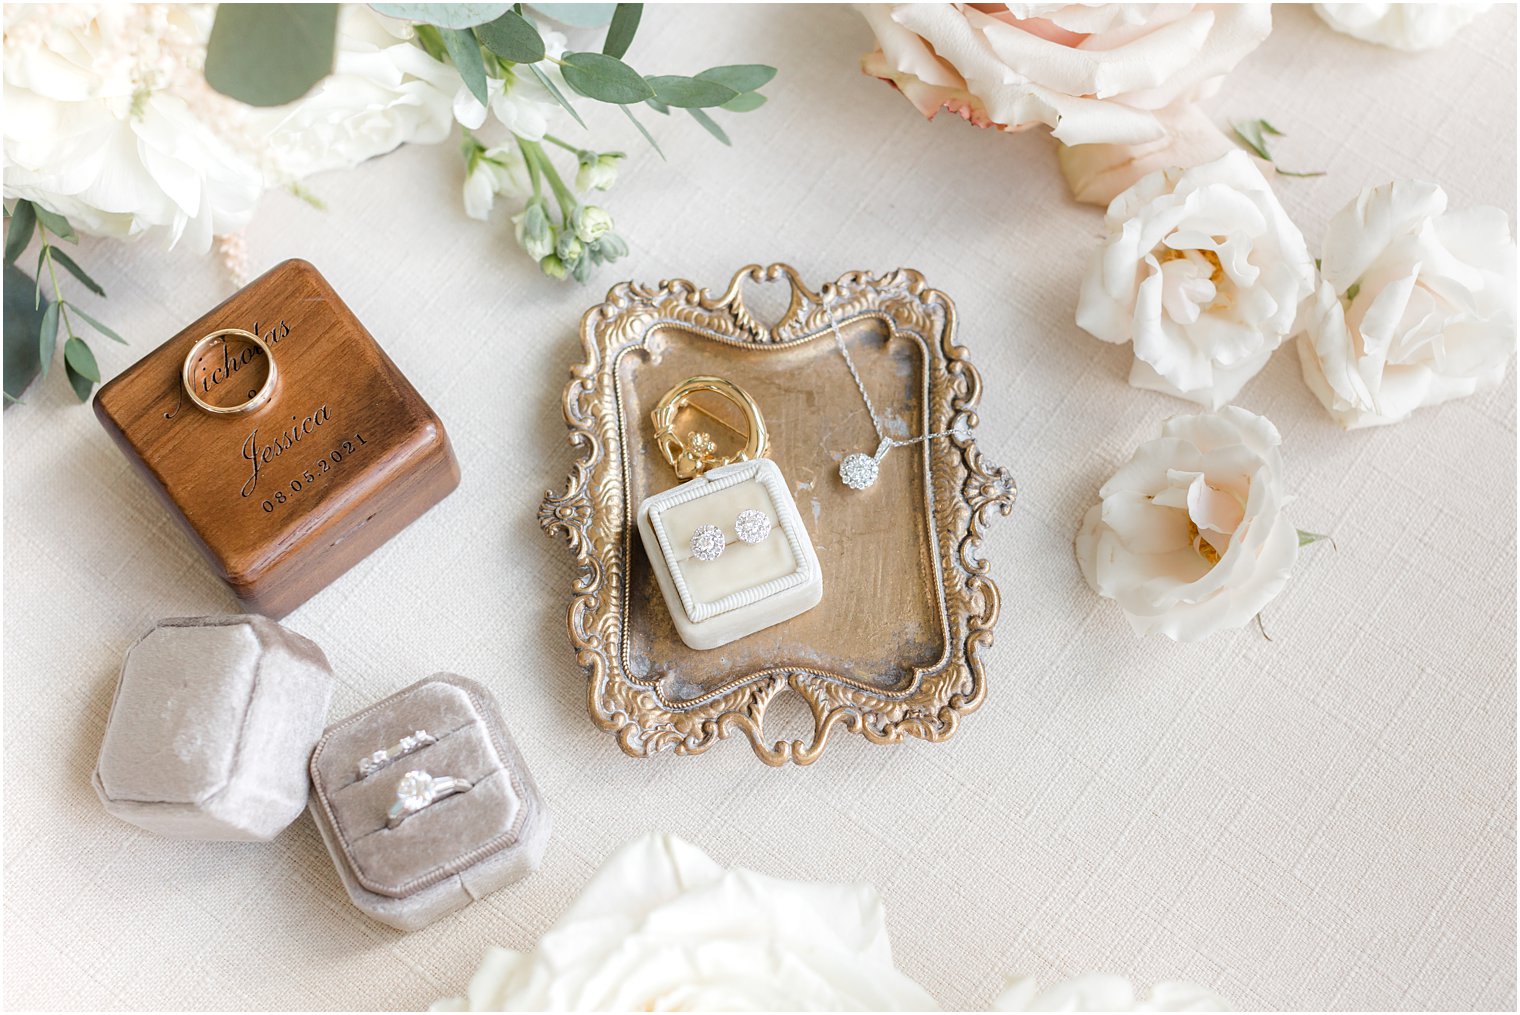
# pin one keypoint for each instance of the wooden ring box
(285, 499)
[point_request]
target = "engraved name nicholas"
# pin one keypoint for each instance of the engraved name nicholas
(231, 363)
(257, 454)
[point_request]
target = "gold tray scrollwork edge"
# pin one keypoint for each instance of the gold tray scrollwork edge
(591, 515)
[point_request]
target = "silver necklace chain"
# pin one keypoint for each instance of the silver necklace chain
(859, 470)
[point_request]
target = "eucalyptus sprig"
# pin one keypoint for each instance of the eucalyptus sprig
(31, 325)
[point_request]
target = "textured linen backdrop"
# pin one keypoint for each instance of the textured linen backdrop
(1325, 819)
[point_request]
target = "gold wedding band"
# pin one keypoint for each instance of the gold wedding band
(255, 400)
(695, 454)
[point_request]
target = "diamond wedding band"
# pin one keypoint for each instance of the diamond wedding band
(409, 744)
(708, 541)
(418, 790)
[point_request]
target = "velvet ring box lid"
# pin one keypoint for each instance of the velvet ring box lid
(457, 848)
(284, 499)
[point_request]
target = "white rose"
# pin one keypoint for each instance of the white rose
(1203, 272)
(1402, 26)
(1098, 992)
(662, 927)
(1190, 537)
(1095, 74)
(384, 92)
(1415, 305)
(109, 122)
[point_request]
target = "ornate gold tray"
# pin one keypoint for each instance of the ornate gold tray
(893, 649)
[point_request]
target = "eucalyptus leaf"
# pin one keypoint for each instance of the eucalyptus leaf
(625, 22)
(578, 15)
(23, 226)
(464, 51)
(81, 384)
(657, 106)
(553, 89)
(444, 15)
(741, 77)
(603, 77)
(47, 337)
(647, 136)
(270, 54)
(23, 322)
(55, 224)
(1306, 538)
(113, 336)
(1250, 135)
(690, 93)
(710, 125)
(512, 37)
(79, 357)
(59, 257)
(748, 102)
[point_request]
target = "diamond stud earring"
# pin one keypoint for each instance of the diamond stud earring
(708, 541)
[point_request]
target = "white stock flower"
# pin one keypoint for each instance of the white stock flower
(1100, 992)
(109, 122)
(499, 170)
(1203, 272)
(1401, 26)
(663, 927)
(1415, 306)
(519, 101)
(1189, 537)
(1094, 73)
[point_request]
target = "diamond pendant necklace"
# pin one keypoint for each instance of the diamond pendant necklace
(859, 470)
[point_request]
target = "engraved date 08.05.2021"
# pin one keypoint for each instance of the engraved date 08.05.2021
(314, 473)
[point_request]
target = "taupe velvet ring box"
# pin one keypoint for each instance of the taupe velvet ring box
(284, 499)
(454, 850)
(211, 726)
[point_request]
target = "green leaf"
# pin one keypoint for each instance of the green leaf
(553, 90)
(657, 106)
(59, 257)
(647, 136)
(1353, 292)
(47, 337)
(1305, 538)
(741, 77)
(270, 54)
(578, 15)
(81, 384)
(744, 103)
(23, 226)
(603, 77)
(79, 357)
(55, 224)
(23, 322)
(74, 309)
(690, 93)
(710, 125)
(1249, 134)
(1285, 172)
(444, 15)
(464, 51)
(625, 22)
(512, 37)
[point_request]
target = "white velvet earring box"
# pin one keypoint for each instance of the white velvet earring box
(452, 851)
(210, 728)
(750, 586)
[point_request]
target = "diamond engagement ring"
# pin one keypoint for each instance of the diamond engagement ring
(408, 745)
(708, 541)
(418, 790)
